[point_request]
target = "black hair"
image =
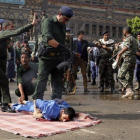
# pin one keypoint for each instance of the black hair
(80, 32)
(128, 29)
(70, 111)
(24, 53)
(32, 9)
(138, 33)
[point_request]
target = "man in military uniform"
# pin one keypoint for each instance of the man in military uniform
(68, 38)
(126, 71)
(44, 16)
(4, 39)
(53, 38)
(32, 31)
(105, 66)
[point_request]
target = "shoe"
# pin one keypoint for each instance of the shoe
(138, 86)
(113, 89)
(93, 82)
(86, 90)
(11, 80)
(129, 93)
(102, 89)
(6, 108)
(89, 79)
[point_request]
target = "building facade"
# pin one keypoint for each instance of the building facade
(19, 13)
(96, 16)
(92, 16)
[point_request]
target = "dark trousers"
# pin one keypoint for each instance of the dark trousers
(27, 89)
(48, 66)
(105, 67)
(80, 62)
(4, 83)
(138, 72)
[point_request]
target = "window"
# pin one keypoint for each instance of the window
(113, 31)
(120, 32)
(108, 29)
(94, 1)
(94, 28)
(86, 29)
(87, 2)
(100, 30)
(20, 23)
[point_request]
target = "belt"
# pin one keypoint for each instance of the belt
(53, 54)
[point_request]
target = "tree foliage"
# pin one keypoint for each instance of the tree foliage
(134, 23)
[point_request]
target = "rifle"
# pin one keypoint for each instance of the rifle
(69, 79)
(114, 56)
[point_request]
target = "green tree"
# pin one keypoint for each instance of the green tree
(134, 23)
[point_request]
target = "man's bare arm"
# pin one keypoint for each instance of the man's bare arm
(22, 97)
(121, 52)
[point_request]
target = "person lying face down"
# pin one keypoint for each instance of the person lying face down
(50, 109)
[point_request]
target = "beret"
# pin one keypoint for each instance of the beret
(1, 21)
(68, 29)
(105, 32)
(65, 10)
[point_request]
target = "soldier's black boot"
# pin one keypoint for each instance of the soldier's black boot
(102, 89)
(93, 82)
(112, 89)
(6, 108)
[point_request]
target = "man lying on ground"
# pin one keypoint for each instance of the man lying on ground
(50, 109)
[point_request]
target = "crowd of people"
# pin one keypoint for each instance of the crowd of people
(94, 59)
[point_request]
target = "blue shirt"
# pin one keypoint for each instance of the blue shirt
(79, 49)
(50, 109)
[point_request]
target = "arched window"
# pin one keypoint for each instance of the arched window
(11, 18)
(20, 21)
(2, 15)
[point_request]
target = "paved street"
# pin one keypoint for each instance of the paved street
(120, 117)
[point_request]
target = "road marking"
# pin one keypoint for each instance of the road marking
(88, 131)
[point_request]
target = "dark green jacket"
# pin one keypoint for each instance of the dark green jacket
(5, 36)
(52, 29)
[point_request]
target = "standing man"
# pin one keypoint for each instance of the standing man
(138, 63)
(18, 53)
(94, 53)
(128, 53)
(32, 31)
(53, 38)
(105, 66)
(4, 39)
(68, 38)
(80, 48)
(44, 16)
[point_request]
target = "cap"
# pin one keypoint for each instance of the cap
(1, 21)
(68, 29)
(105, 32)
(65, 10)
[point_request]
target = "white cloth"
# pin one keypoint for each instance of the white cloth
(114, 65)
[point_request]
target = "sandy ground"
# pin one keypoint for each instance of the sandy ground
(121, 118)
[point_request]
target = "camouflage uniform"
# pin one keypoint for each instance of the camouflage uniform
(68, 43)
(105, 66)
(126, 71)
(32, 31)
